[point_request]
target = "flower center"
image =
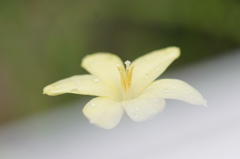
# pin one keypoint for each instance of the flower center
(126, 77)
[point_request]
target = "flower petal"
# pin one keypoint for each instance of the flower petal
(148, 67)
(103, 112)
(105, 66)
(176, 89)
(144, 107)
(80, 84)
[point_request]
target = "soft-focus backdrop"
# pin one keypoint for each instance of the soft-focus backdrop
(44, 41)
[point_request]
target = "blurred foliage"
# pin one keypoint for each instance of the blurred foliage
(44, 41)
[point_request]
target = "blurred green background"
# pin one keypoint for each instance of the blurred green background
(44, 41)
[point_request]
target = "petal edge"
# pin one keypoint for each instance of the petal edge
(80, 84)
(103, 112)
(176, 89)
(144, 107)
(150, 66)
(104, 66)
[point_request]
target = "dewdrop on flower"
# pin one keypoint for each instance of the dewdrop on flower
(130, 87)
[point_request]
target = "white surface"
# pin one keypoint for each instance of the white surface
(182, 131)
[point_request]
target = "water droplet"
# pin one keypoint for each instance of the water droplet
(107, 85)
(166, 90)
(191, 95)
(92, 65)
(93, 104)
(96, 80)
(137, 108)
(185, 87)
(137, 69)
(135, 115)
(78, 83)
(146, 76)
(74, 91)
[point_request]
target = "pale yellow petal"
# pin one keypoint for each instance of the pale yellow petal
(105, 66)
(80, 84)
(148, 67)
(103, 112)
(176, 89)
(144, 107)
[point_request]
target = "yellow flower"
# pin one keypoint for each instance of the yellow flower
(131, 87)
